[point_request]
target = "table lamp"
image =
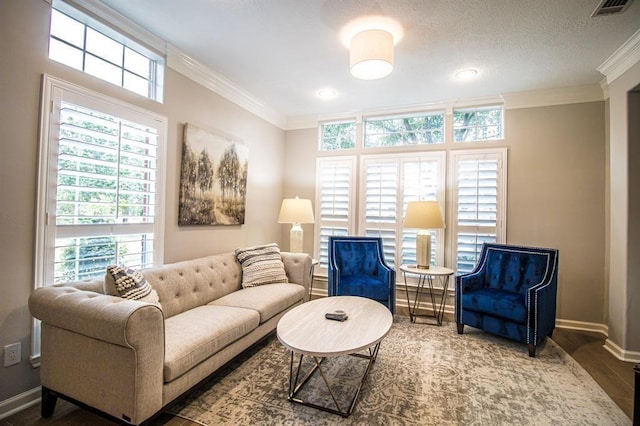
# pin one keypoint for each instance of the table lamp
(423, 215)
(296, 211)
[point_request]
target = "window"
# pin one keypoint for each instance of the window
(81, 42)
(479, 186)
(477, 124)
(390, 182)
(334, 202)
(337, 135)
(100, 195)
(404, 130)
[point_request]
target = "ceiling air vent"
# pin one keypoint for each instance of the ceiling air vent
(608, 7)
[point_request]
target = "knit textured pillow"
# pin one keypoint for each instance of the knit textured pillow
(261, 265)
(129, 284)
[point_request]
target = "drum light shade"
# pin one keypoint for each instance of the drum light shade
(371, 54)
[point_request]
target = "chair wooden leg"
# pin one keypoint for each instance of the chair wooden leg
(460, 327)
(532, 351)
(49, 400)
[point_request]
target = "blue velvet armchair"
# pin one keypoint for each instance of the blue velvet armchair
(357, 268)
(511, 292)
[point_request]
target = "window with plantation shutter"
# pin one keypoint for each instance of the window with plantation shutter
(479, 197)
(99, 193)
(335, 192)
(390, 182)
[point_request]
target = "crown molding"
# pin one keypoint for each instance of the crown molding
(102, 12)
(515, 100)
(622, 59)
(205, 76)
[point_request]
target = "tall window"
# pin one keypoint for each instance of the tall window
(80, 42)
(479, 186)
(390, 182)
(100, 190)
(335, 195)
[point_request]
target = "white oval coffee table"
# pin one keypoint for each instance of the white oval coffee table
(305, 331)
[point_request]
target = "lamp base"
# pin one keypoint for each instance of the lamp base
(423, 249)
(296, 237)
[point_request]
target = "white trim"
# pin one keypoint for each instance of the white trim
(19, 402)
(515, 100)
(621, 354)
(583, 326)
(195, 70)
(101, 11)
(622, 59)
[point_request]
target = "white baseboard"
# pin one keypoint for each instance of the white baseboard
(20, 402)
(583, 326)
(621, 354)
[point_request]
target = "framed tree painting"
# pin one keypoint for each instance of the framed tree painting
(213, 178)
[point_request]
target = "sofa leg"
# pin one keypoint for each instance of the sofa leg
(532, 351)
(460, 327)
(49, 400)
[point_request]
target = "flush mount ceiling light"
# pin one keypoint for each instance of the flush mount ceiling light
(467, 74)
(370, 40)
(371, 54)
(326, 93)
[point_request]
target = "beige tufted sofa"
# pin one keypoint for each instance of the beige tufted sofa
(130, 359)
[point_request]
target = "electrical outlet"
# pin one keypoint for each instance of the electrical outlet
(12, 354)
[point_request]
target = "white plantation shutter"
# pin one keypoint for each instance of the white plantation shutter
(335, 192)
(480, 203)
(99, 196)
(390, 182)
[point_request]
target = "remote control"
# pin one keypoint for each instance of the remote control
(336, 316)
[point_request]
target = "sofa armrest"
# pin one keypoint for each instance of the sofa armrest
(298, 269)
(101, 350)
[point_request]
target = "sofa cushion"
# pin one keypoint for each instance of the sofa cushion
(129, 284)
(185, 285)
(268, 300)
(261, 265)
(199, 333)
(499, 303)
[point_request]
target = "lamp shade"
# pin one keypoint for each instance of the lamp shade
(296, 210)
(423, 215)
(371, 54)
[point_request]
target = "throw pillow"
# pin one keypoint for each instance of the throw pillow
(129, 284)
(261, 265)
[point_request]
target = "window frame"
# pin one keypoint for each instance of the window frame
(400, 159)
(432, 113)
(343, 121)
(157, 59)
(476, 109)
(350, 162)
(500, 154)
(54, 91)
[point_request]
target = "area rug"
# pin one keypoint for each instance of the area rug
(424, 375)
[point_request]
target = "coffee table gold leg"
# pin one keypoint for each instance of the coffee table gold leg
(295, 386)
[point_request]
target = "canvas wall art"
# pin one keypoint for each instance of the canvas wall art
(213, 179)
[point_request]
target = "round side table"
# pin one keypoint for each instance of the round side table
(427, 276)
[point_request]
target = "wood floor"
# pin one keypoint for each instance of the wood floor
(614, 376)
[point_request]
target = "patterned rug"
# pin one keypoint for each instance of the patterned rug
(424, 375)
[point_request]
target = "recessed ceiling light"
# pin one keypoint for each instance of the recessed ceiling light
(326, 93)
(467, 74)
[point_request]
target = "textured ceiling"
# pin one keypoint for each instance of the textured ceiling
(283, 51)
